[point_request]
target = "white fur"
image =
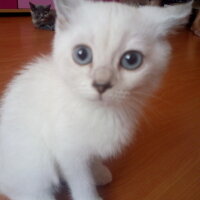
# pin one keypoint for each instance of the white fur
(52, 120)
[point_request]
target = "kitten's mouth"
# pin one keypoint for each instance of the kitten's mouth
(105, 100)
(102, 101)
(108, 98)
(100, 98)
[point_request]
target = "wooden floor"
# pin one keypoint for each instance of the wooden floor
(164, 161)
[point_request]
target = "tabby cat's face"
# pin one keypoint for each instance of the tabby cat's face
(39, 13)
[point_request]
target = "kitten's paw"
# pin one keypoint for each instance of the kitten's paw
(99, 198)
(197, 33)
(102, 175)
(94, 198)
(37, 197)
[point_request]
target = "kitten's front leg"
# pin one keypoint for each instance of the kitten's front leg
(80, 180)
(101, 173)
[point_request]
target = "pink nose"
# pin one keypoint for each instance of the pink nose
(101, 88)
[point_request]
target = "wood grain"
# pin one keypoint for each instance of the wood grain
(15, 10)
(163, 162)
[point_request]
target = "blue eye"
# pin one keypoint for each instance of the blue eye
(131, 60)
(82, 55)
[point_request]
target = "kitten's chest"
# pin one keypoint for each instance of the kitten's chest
(93, 130)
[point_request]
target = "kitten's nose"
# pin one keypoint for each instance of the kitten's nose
(101, 88)
(102, 79)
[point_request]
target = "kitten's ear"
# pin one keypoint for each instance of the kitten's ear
(63, 10)
(166, 19)
(32, 6)
(48, 7)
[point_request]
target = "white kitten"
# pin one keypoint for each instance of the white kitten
(66, 112)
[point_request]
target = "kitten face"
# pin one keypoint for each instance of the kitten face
(39, 13)
(109, 31)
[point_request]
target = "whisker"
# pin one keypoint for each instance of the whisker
(154, 111)
(137, 106)
(151, 96)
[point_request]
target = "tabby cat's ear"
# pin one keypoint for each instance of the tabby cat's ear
(32, 6)
(165, 19)
(64, 8)
(48, 7)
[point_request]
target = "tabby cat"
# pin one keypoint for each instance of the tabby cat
(43, 17)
